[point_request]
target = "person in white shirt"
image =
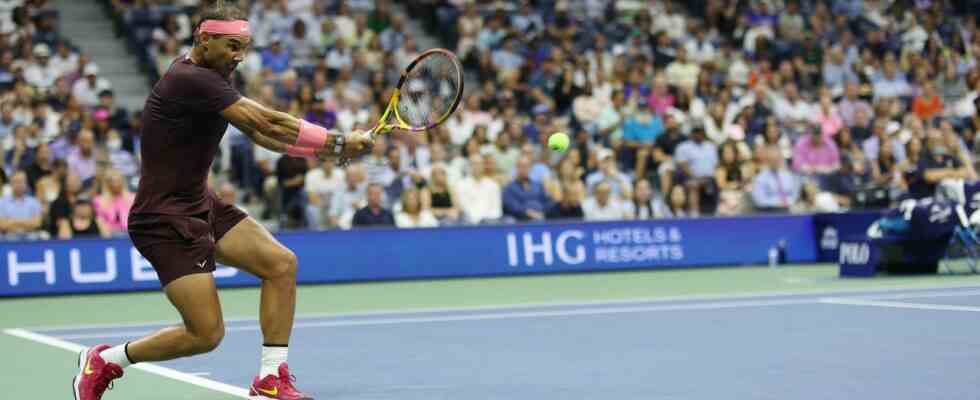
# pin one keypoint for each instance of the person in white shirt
(320, 185)
(41, 73)
(64, 59)
(699, 49)
(791, 109)
(348, 199)
(480, 195)
(682, 72)
(86, 90)
(413, 214)
(602, 206)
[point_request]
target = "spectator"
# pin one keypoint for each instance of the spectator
(828, 118)
(20, 213)
(644, 204)
(444, 201)
(291, 178)
(640, 131)
(374, 213)
(603, 206)
(479, 194)
(937, 164)
(120, 159)
(320, 184)
(890, 82)
(732, 177)
(882, 135)
(276, 57)
(41, 73)
(609, 172)
(854, 176)
(928, 104)
(569, 206)
(348, 199)
(682, 73)
(677, 204)
(82, 223)
(524, 199)
(64, 60)
(815, 154)
(113, 204)
(775, 188)
(87, 89)
(851, 104)
(81, 158)
(413, 213)
(696, 161)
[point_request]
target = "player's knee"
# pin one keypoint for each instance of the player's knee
(209, 340)
(285, 265)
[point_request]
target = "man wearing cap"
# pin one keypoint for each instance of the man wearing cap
(86, 90)
(41, 73)
(183, 229)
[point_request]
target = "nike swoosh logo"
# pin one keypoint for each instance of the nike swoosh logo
(88, 368)
(201, 264)
(273, 392)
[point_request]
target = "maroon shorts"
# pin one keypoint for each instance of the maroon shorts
(179, 245)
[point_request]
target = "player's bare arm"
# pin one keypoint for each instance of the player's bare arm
(277, 131)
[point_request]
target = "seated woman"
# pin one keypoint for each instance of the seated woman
(443, 200)
(113, 204)
(412, 214)
(81, 223)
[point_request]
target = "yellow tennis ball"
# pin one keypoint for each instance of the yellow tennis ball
(558, 141)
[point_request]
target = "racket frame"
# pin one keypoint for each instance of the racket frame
(384, 127)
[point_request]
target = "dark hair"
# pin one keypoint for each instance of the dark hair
(219, 10)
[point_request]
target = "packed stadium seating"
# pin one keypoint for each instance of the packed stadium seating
(676, 109)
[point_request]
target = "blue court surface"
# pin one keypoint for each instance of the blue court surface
(889, 344)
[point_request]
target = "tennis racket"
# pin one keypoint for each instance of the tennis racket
(427, 93)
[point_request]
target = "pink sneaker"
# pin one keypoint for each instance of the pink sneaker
(94, 374)
(276, 387)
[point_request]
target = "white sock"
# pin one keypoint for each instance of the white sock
(272, 356)
(116, 355)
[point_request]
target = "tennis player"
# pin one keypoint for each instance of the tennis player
(182, 228)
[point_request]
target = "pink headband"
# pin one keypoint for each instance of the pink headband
(237, 27)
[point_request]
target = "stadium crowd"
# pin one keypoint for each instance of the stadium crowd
(675, 108)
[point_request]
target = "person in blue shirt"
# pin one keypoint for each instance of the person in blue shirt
(275, 57)
(20, 213)
(524, 199)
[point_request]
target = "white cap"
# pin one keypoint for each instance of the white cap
(91, 69)
(42, 50)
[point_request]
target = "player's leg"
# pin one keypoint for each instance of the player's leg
(250, 247)
(189, 287)
(196, 298)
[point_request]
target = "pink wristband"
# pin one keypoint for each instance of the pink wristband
(312, 136)
(296, 151)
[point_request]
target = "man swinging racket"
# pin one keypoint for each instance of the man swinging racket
(182, 228)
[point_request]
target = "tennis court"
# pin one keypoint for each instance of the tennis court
(743, 333)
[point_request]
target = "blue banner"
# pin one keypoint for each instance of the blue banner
(77, 266)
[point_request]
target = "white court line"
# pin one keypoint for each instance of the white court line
(147, 367)
(517, 306)
(898, 304)
(924, 295)
(482, 317)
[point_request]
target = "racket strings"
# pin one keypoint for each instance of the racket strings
(429, 91)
